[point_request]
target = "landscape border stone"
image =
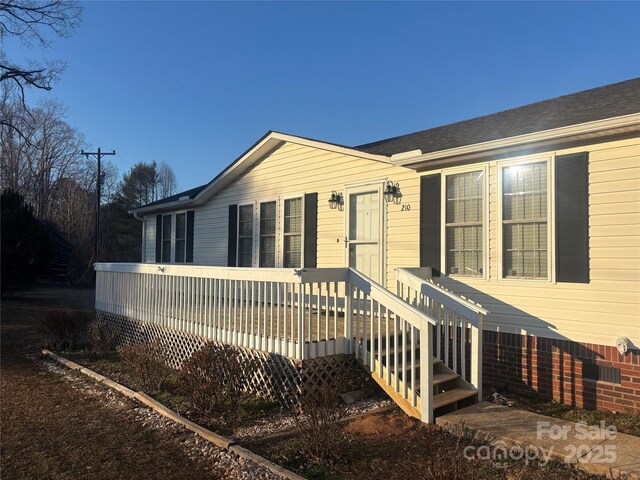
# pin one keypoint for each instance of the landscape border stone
(218, 440)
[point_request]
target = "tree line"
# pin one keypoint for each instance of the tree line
(42, 164)
(48, 187)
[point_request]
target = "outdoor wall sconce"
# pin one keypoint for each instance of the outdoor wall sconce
(335, 200)
(391, 191)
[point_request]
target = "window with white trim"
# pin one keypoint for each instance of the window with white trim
(245, 236)
(181, 238)
(524, 221)
(166, 238)
(464, 237)
(268, 234)
(292, 232)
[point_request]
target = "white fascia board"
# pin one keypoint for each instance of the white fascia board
(176, 204)
(332, 148)
(632, 120)
(252, 157)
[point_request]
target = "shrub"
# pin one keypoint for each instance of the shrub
(146, 363)
(64, 329)
(212, 381)
(102, 336)
(320, 437)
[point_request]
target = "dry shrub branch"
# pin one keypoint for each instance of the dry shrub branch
(212, 381)
(146, 362)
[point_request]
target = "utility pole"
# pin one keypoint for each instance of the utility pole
(99, 154)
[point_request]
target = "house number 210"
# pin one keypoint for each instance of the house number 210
(406, 207)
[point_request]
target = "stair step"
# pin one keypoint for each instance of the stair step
(454, 395)
(439, 378)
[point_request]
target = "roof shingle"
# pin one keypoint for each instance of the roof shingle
(609, 101)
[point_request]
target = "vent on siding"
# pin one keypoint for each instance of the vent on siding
(593, 371)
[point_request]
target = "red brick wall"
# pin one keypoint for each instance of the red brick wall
(553, 369)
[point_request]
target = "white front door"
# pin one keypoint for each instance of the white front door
(364, 224)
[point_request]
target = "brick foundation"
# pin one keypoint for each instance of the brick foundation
(550, 368)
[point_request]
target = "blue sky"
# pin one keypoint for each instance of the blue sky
(196, 84)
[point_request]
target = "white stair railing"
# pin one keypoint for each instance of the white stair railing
(458, 322)
(378, 318)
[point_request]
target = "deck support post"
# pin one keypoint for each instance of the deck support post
(301, 304)
(476, 355)
(348, 315)
(426, 371)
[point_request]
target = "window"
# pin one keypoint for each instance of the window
(181, 237)
(292, 233)
(524, 221)
(245, 236)
(166, 239)
(464, 232)
(268, 234)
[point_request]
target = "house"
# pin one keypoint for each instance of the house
(505, 247)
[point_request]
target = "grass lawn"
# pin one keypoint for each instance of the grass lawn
(52, 431)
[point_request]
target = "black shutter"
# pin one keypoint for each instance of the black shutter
(233, 236)
(158, 238)
(310, 230)
(430, 222)
(190, 218)
(572, 218)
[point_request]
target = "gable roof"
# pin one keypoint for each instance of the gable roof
(265, 145)
(601, 103)
(609, 101)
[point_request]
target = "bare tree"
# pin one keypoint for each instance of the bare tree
(167, 183)
(32, 22)
(45, 151)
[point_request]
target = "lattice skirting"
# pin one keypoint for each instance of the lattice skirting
(271, 376)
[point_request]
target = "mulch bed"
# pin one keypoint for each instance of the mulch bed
(394, 446)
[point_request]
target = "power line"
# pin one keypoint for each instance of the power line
(99, 154)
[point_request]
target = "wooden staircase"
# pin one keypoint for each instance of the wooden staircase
(450, 390)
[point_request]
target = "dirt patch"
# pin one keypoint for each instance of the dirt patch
(387, 425)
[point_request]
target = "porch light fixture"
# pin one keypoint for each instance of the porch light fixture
(335, 200)
(391, 191)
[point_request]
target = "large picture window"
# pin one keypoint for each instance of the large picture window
(268, 234)
(524, 221)
(245, 236)
(464, 230)
(292, 255)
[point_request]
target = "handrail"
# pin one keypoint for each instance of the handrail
(458, 304)
(286, 275)
(380, 294)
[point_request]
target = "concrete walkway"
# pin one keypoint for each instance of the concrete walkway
(596, 450)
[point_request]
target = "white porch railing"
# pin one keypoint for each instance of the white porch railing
(458, 322)
(300, 314)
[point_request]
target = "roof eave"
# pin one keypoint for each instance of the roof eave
(607, 126)
(267, 144)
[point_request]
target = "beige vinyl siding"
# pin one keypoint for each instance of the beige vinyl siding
(599, 312)
(606, 308)
(295, 170)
